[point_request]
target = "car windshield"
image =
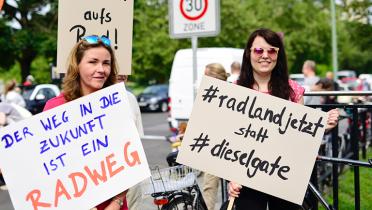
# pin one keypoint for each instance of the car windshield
(155, 89)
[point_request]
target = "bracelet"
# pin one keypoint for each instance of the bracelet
(118, 200)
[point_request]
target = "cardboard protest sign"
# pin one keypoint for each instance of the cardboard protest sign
(111, 18)
(260, 141)
(74, 156)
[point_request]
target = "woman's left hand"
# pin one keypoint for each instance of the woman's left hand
(115, 202)
(332, 119)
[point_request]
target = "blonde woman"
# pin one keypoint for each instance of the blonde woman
(11, 95)
(91, 66)
(210, 185)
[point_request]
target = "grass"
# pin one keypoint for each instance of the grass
(346, 188)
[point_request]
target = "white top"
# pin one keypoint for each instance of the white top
(136, 113)
(233, 78)
(14, 97)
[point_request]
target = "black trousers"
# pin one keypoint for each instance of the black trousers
(255, 200)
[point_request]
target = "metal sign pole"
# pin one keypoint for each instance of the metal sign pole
(334, 39)
(194, 43)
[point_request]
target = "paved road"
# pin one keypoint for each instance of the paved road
(155, 124)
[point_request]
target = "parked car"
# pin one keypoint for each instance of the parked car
(154, 98)
(341, 75)
(37, 95)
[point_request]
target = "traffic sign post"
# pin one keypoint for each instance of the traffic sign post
(188, 18)
(193, 19)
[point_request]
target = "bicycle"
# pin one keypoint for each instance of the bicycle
(174, 188)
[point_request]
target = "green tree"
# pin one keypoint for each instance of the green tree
(7, 49)
(153, 49)
(304, 23)
(33, 26)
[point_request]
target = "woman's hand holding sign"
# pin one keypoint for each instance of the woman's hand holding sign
(234, 189)
(117, 202)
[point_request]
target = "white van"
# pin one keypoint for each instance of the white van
(181, 79)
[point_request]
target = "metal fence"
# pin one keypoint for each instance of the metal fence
(341, 147)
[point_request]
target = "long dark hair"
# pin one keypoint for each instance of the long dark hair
(278, 84)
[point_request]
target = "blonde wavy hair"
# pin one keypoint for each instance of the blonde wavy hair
(71, 83)
(217, 71)
(11, 85)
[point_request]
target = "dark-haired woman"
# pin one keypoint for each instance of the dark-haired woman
(264, 69)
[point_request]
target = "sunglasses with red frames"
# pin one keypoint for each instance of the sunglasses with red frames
(271, 51)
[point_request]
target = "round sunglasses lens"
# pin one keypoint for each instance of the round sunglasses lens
(258, 51)
(106, 41)
(271, 51)
(91, 39)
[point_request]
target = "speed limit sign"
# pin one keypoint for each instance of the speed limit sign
(189, 18)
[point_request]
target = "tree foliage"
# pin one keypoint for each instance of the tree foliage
(153, 50)
(7, 49)
(31, 27)
(306, 25)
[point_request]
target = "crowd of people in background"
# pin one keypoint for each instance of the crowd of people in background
(313, 82)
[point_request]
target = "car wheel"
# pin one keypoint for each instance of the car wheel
(163, 107)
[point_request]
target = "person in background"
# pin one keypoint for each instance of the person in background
(210, 186)
(11, 95)
(134, 106)
(309, 69)
(176, 142)
(134, 194)
(29, 80)
(91, 66)
(178, 135)
(264, 69)
(235, 72)
(9, 114)
(330, 76)
(325, 84)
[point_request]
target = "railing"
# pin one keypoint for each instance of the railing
(358, 134)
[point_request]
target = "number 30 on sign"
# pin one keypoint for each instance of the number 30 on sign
(193, 9)
(190, 18)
